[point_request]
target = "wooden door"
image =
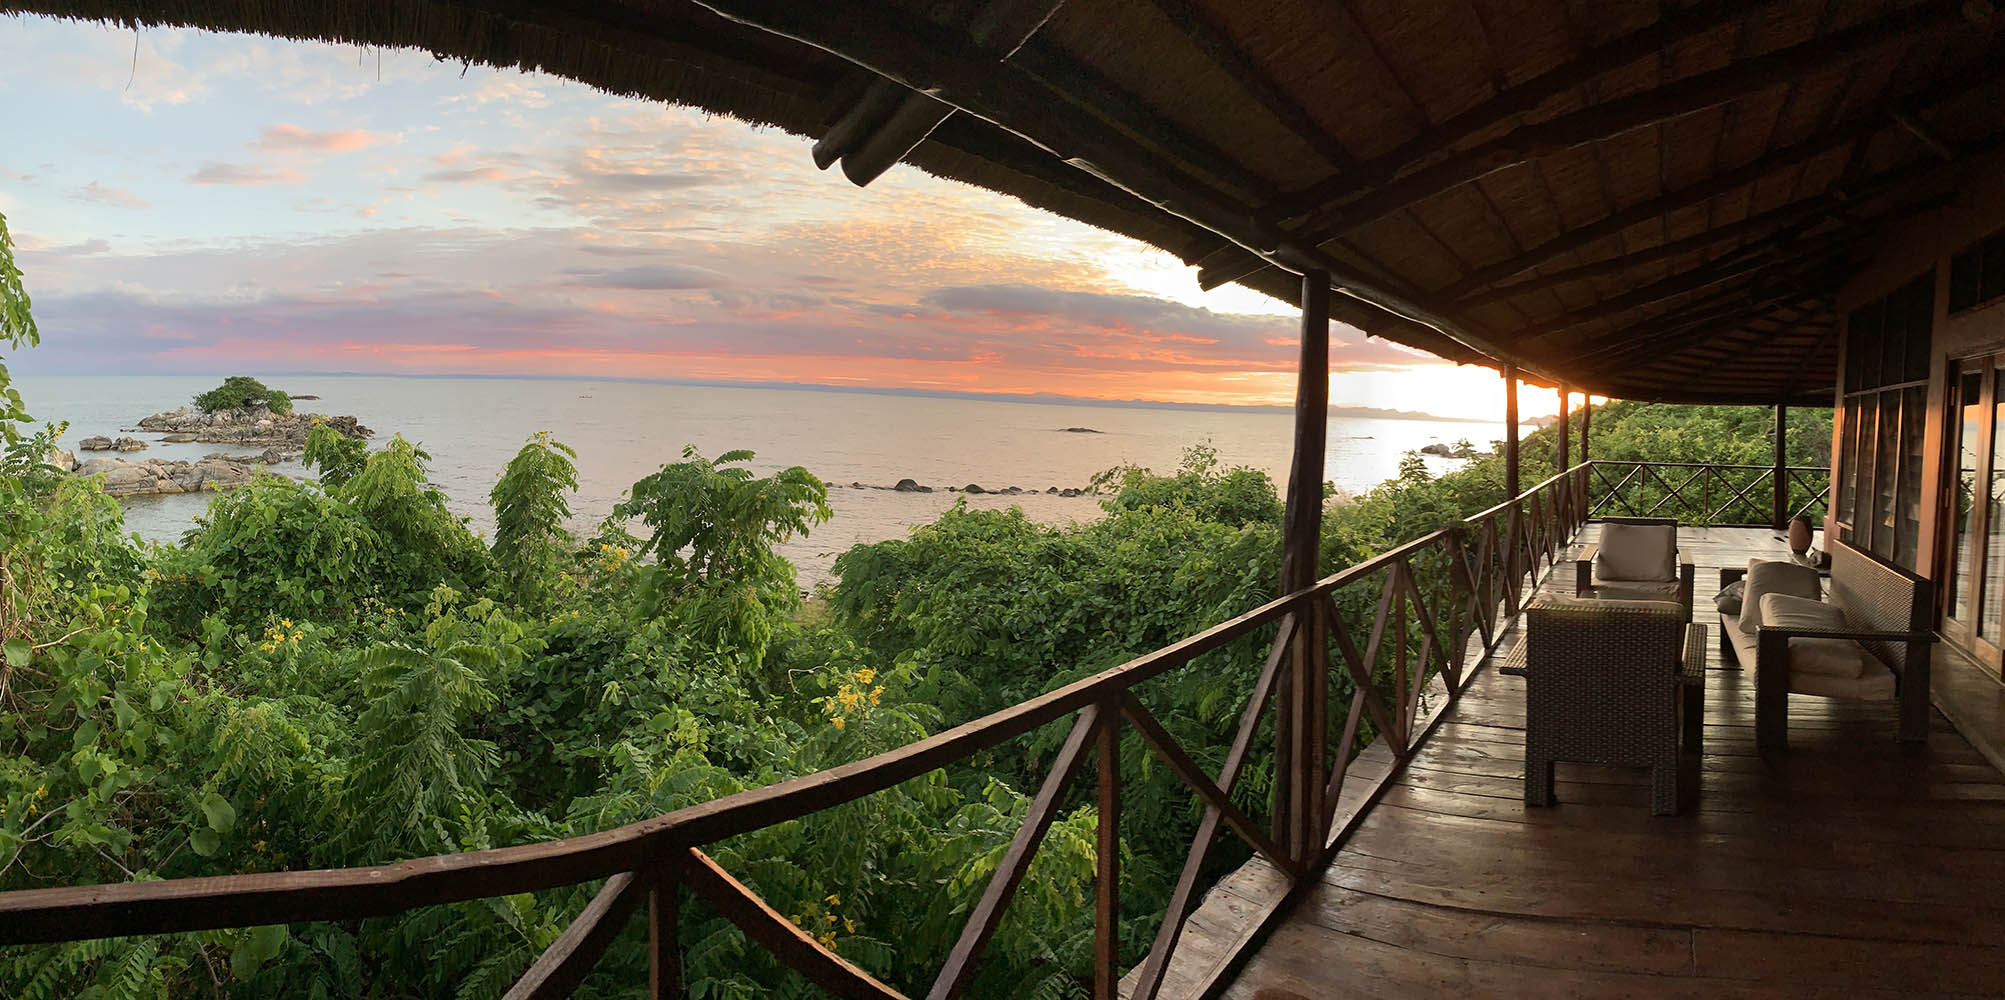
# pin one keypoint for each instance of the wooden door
(1973, 605)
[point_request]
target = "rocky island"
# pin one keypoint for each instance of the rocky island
(241, 412)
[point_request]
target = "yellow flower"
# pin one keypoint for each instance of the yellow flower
(259, 846)
(296, 636)
(833, 900)
(848, 925)
(42, 792)
(827, 940)
(876, 696)
(866, 675)
(796, 919)
(838, 722)
(285, 623)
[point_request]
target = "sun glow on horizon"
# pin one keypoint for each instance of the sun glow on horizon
(280, 204)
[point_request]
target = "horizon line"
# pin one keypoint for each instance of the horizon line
(1040, 398)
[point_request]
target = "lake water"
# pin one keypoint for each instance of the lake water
(625, 430)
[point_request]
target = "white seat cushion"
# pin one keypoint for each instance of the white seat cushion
(1876, 684)
(1646, 552)
(1764, 577)
(1843, 659)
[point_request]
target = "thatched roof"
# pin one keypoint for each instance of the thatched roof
(1648, 199)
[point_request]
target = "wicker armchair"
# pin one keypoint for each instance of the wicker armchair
(1611, 682)
(1669, 580)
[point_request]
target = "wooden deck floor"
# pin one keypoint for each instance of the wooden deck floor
(1842, 867)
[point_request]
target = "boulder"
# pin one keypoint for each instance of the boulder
(128, 444)
(95, 443)
(182, 437)
(972, 488)
(122, 478)
(62, 459)
(1436, 448)
(251, 425)
(1071, 493)
(1079, 430)
(273, 456)
(1051, 489)
(910, 486)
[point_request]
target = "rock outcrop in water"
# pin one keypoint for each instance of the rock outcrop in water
(124, 478)
(250, 425)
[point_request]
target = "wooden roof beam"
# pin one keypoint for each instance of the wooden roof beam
(1733, 180)
(1753, 260)
(1653, 335)
(1764, 222)
(1211, 39)
(949, 66)
(1675, 26)
(1625, 114)
(889, 120)
(1601, 121)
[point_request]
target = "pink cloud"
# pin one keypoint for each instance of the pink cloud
(101, 194)
(293, 139)
(240, 174)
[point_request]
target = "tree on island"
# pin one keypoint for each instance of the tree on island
(239, 391)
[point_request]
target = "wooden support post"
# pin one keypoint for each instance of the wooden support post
(1586, 417)
(1565, 428)
(1781, 512)
(1511, 430)
(1295, 757)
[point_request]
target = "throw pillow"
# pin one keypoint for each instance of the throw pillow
(1827, 657)
(1774, 578)
(1728, 599)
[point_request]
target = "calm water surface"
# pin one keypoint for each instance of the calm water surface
(625, 430)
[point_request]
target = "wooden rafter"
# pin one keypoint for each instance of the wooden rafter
(1374, 197)
(1676, 26)
(1773, 162)
(1212, 39)
(1764, 223)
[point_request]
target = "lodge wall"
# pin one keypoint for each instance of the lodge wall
(1914, 261)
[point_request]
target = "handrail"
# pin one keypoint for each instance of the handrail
(1706, 493)
(1487, 559)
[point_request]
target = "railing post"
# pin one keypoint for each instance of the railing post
(664, 974)
(1295, 752)
(1107, 882)
(1780, 514)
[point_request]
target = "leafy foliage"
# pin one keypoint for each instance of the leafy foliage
(239, 391)
(529, 514)
(340, 673)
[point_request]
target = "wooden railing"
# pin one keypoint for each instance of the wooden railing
(1432, 595)
(1705, 494)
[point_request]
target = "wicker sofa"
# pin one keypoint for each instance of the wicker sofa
(1636, 559)
(1885, 610)
(1611, 682)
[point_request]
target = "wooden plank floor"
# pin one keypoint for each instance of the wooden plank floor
(1841, 867)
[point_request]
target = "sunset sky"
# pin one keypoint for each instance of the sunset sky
(185, 202)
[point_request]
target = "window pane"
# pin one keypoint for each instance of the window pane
(1994, 543)
(1848, 452)
(1886, 458)
(1969, 406)
(1893, 338)
(1994, 268)
(1966, 278)
(1908, 514)
(1921, 316)
(1859, 472)
(1866, 329)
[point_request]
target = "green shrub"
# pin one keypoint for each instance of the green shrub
(239, 391)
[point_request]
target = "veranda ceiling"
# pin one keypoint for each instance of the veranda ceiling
(1651, 200)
